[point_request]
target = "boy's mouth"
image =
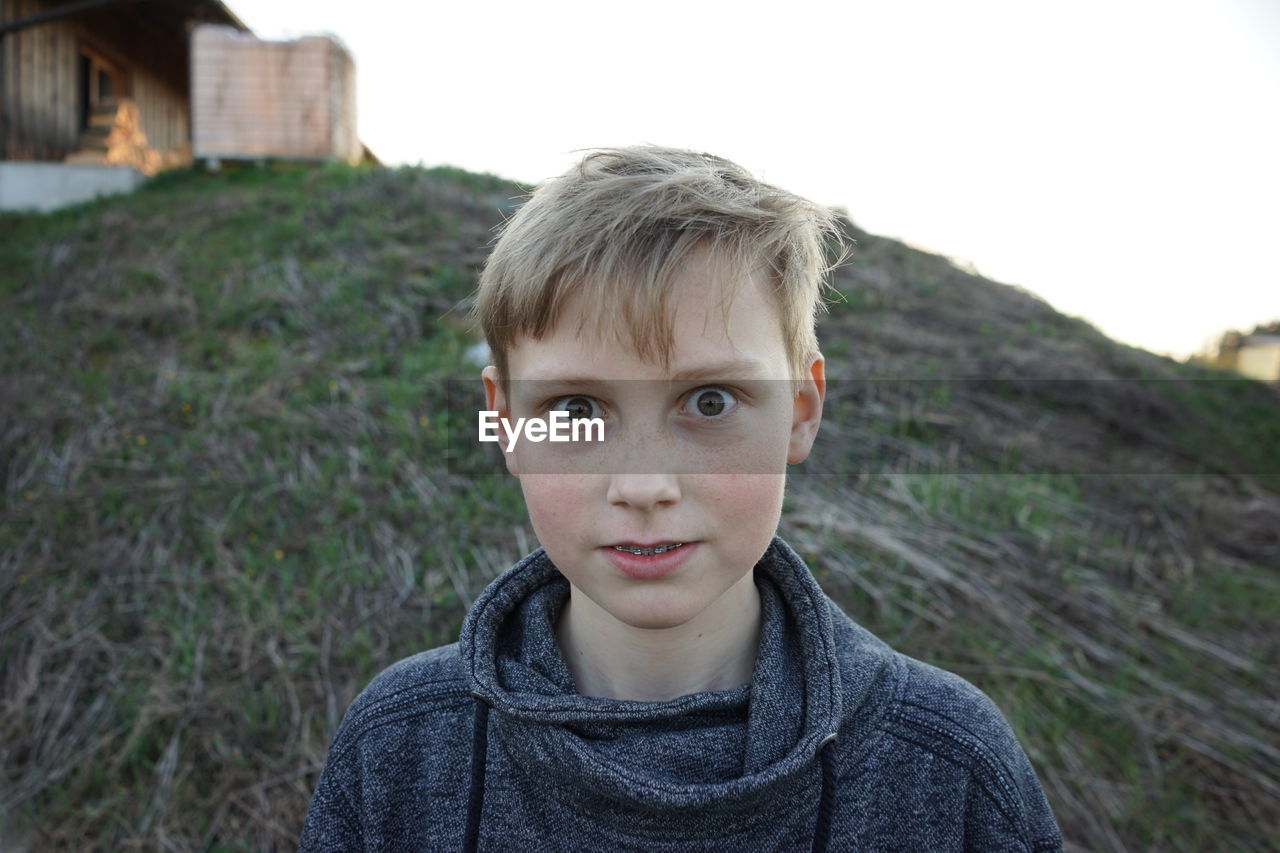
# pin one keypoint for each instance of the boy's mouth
(647, 551)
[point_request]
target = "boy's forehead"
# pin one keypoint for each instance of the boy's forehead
(585, 356)
(720, 329)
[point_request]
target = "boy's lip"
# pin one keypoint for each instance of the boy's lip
(647, 566)
(631, 543)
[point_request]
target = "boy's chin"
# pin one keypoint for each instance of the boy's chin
(653, 621)
(656, 610)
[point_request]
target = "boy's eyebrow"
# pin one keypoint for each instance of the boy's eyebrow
(742, 368)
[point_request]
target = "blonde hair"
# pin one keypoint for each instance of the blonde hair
(623, 221)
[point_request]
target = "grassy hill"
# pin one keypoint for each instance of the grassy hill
(230, 499)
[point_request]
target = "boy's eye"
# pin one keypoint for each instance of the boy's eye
(710, 402)
(577, 407)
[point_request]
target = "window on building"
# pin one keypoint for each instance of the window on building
(100, 81)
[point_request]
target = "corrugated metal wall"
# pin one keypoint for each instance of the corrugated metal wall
(256, 98)
(1260, 361)
(342, 108)
(42, 78)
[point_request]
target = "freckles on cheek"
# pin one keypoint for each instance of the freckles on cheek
(551, 499)
(748, 497)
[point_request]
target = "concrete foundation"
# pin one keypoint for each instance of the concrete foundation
(43, 187)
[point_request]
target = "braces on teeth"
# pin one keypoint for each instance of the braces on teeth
(648, 552)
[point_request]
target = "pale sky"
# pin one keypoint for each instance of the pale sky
(1117, 157)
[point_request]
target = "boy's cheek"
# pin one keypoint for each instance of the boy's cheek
(744, 496)
(551, 497)
(560, 510)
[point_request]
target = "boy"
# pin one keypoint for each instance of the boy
(664, 673)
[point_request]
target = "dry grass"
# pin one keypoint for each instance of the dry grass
(226, 506)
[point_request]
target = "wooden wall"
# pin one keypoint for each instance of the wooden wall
(42, 77)
(40, 86)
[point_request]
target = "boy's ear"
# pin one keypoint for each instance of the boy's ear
(496, 401)
(807, 409)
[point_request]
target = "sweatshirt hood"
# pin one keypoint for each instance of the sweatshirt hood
(737, 754)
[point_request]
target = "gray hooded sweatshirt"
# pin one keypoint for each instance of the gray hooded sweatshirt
(838, 743)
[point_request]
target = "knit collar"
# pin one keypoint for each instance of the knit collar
(737, 754)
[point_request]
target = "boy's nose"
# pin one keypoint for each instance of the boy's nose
(643, 491)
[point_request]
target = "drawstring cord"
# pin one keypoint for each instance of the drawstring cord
(475, 797)
(826, 802)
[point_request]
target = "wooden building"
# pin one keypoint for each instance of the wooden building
(73, 72)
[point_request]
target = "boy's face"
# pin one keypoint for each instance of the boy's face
(648, 482)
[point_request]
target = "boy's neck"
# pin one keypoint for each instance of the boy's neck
(716, 650)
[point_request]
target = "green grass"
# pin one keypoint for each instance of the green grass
(227, 453)
(232, 494)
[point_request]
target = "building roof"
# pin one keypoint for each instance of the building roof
(173, 13)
